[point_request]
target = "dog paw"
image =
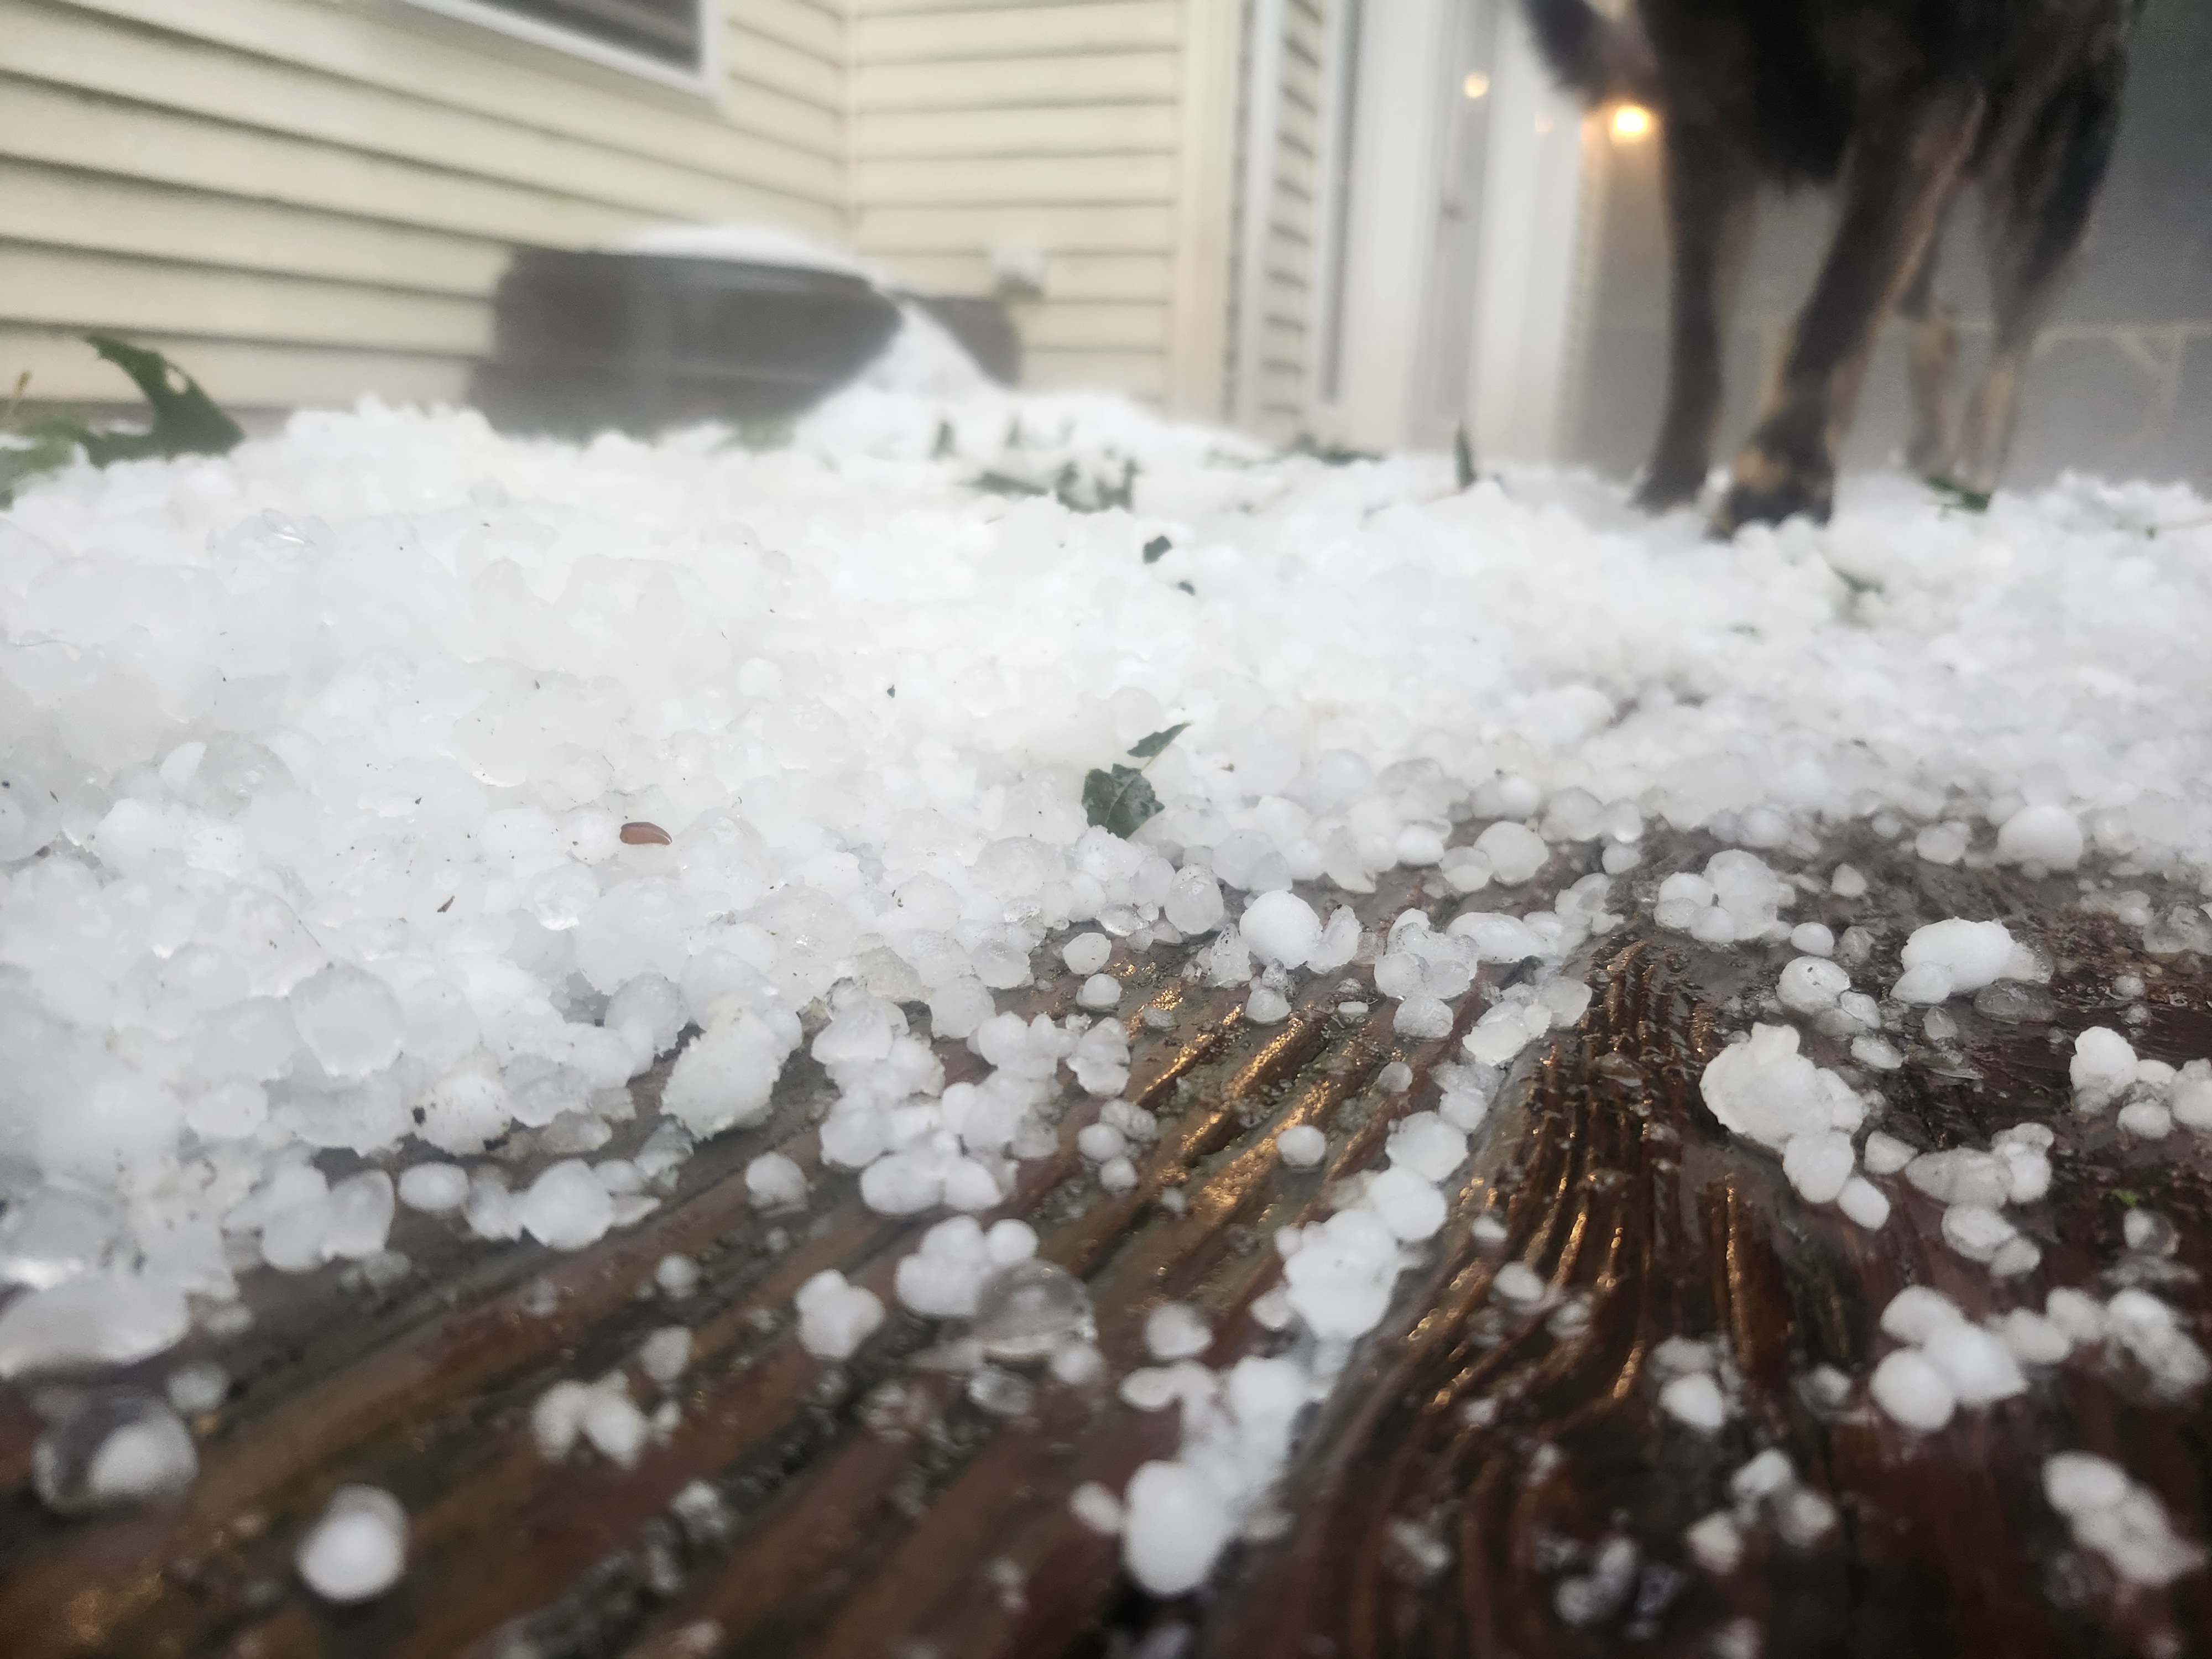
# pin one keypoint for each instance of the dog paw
(1665, 489)
(1765, 489)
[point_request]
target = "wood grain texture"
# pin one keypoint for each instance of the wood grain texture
(1469, 1458)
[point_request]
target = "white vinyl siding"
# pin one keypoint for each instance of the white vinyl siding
(1270, 366)
(305, 200)
(1059, 133)
(1284, 371)
(308, 200)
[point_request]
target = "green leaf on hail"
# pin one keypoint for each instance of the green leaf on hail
(1118, 801)
(1145, 747)
(186, 421)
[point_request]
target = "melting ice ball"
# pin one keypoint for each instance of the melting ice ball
(1946, 958)
(1766, 1092)
(2047, 835)
(349, 1018)
(357, 1549)
(1030, 1309)
(118, 1446)
(1280, 927)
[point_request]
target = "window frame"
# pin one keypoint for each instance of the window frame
(705, 81)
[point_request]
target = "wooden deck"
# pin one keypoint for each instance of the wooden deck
(1436, 1502)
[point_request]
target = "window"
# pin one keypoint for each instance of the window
(666, 39)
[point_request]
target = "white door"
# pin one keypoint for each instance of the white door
(1448, 271)
(1531, 289)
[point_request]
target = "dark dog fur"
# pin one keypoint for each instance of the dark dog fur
(1896, 104)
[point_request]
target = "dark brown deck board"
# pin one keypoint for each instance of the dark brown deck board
(1615, 1183)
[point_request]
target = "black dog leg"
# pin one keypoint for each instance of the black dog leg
(2038, 193)
(1897, 178)
(1710, 185)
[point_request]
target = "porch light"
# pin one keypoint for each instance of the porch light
(1632, 124)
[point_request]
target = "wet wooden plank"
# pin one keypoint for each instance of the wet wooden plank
(1437, 1499)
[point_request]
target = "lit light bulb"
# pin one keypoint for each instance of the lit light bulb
(1477, 85)
(1632, 124)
